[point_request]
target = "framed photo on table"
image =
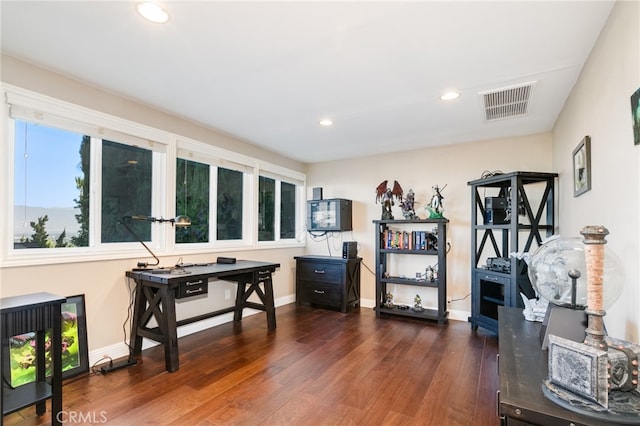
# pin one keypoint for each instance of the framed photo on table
(582, 167)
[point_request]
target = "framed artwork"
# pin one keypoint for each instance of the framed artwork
(635, 116)
(75, 352)
(582, 167)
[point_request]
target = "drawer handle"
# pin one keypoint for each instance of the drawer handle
(318, 272)
(189, 291)
(319, 291)
(189, 283)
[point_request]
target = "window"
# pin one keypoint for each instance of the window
(52, 169)
(126, 191)
(192, 200)
(214, 193)
(51, 196)
(76, 173)
(229, 204)
(276, 205)
(266, 209)
(287, 210)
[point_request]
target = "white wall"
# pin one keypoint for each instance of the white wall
(453, 166)
(599, 106)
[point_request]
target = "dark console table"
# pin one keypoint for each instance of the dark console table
(157, 291)
(522, 367)
(37, 313)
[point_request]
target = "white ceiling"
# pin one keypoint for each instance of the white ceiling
(267, 72)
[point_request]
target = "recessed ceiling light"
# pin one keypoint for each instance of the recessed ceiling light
(153, 12)
(326, 122)
(449, 96)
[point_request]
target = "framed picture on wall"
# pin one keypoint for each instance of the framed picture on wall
(75, 353)
(582, 167)
(635, 116)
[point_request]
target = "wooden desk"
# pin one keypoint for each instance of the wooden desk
(522, 368)
(156, 294)
(37, 313)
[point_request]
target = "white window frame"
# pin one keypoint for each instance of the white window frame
(29, 106)
(216, 157)
(34, 107)
(280, 174)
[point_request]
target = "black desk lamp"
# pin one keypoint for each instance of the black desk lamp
(142, 266)
(179, 221)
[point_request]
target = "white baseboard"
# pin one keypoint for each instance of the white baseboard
(458, 315)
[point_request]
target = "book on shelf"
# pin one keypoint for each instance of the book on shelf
(408, 240)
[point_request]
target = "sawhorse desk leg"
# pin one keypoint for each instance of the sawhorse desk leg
(254, 280)
(159, 303)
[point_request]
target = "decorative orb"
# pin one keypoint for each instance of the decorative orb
(549, 268)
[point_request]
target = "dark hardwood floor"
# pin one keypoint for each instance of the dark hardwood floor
(318, 367)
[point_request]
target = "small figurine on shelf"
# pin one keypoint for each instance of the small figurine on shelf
(417, 304)
(385, 195)
(435, 208)
(388, 300)
(429, 275)
(407, 205)
(387, 203)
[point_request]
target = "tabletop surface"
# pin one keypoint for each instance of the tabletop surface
(191, 271)
(523, 367)
(12, 303)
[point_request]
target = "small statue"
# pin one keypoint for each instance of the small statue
(387, 203)
(429, 274)
(534, 309)
(388, 300)
(407, 205)
(435, 207)
(417, 304)
(385, 195)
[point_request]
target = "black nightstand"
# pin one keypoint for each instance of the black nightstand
(331, 282)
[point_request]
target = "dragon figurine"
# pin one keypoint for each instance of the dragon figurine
(385, 195)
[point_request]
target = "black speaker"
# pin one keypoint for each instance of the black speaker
(495, 217)
(495, 203)
(349, 250)
(317, 193)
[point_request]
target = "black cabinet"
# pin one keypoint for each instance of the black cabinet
(510, 213)
(411, 237)
(331, 282)
(37, 313)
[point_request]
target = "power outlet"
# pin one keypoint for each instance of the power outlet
(227, 294)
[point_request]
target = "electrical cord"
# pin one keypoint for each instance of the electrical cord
(488, 174)
(460, 298)
(95, 368)
(314, 236)
(368, 269)
(132, 293)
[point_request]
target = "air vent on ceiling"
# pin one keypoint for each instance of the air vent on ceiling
(507, 102)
